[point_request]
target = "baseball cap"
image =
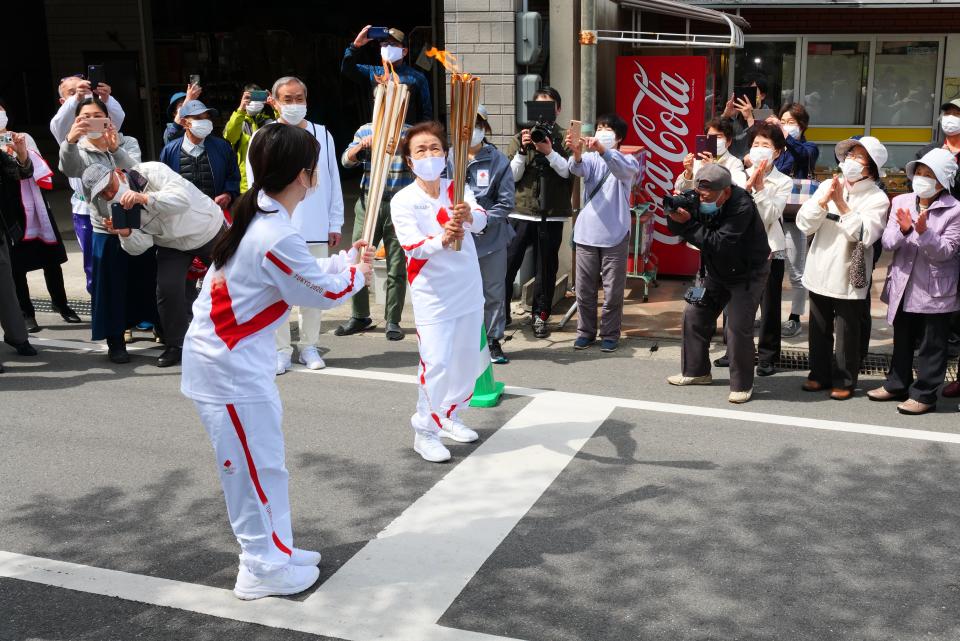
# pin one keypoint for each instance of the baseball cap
(195, 108)
(96, 178)
(482, 113)
(953, 103)
(713, 177)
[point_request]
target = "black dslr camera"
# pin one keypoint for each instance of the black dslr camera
(688, 199)
(543, 116)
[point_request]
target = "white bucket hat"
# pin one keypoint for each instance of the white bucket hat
(941, 162)
(875, 149)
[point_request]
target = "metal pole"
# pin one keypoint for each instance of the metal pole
(588, 65)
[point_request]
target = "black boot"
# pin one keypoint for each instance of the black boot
(117, 350)
(31, 323)
(353, 326)
(170, 356)
(23, 349)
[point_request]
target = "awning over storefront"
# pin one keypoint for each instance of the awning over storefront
(734, 24)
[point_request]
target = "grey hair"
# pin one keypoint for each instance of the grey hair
(286, 80)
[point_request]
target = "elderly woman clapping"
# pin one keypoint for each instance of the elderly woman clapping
(923, 233)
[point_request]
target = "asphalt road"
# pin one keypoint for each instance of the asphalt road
(680, 517)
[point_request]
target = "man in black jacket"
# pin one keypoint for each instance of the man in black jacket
(735, 264)
(12, 169)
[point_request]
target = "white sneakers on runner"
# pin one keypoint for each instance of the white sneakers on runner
(310, 357)
(457, 431)
(305, 557)
(428, 445)
(283, 363)
(290, 579)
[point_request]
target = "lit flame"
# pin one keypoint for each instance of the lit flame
(388, 73)
(447, 59)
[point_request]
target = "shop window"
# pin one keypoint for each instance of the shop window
(836, 81)
(904, 83)
(776, 61)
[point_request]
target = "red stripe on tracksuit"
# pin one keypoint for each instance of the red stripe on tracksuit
(344, 292)
(235, 419)
(454, 406)
(225, 321)
(410, 248)
(279, 263)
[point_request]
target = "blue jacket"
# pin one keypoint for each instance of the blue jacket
(223, 162)
(496, 194)
(799, 158)
(366, 74)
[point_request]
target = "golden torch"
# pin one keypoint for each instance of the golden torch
(389, 112)
(464, 101)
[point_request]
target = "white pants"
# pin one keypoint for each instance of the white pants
(450, 362)
(248, 443)
(310, 317)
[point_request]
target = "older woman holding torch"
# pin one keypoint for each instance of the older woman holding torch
(921, 288)
(446, 288)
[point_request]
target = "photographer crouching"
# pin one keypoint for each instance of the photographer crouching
(722, 221)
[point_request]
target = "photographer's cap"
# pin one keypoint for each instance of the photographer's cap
(195, 108)
(96, 178)
(713, 177)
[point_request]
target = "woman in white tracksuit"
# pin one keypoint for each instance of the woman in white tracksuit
(260, 268)
(446, 288)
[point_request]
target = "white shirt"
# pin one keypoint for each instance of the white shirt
(444, 283)
(770, 203)
(733, 164)
(604, 221)
(320, 214)
(191, 149)
(229, 353)
(827, 269)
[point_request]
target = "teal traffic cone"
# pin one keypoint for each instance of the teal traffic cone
(487, 391)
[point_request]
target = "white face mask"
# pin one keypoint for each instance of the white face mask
(254, 107)
(925, 187)
(721, 146)
(852, 170)
(429, 168)
(3, 120)
(93, 135)
(201, 128)
(477, 137)
(391, 53)
(312, 189)
(761, 153)
(607, 138)
(950, 124)
(293, 114)
(793, 131)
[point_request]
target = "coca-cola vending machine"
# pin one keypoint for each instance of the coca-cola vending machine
(662, 99)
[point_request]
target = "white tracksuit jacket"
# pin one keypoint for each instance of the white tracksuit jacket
(447, 293)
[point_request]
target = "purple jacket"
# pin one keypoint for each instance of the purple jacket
(926, 267)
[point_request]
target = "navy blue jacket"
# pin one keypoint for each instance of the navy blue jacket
(223, 162)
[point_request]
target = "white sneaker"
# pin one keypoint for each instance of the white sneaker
(290, 579)
(305, 557)
(430, 448)
(310, 357)
(457, 431)
(283, 363)
(740, 397)
(681, 380)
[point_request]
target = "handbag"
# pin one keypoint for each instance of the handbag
(858, 264)
(803, 190)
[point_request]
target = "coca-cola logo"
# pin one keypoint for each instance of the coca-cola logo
(663, 134)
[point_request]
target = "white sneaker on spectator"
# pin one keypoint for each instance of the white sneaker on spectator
(740, 397)
(283, 363)
(305, 557)
(290, 579)
(310, 357)
(680, 379)
(428, 446)
(457, 431)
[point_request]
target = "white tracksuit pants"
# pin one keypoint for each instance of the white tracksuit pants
(450, 362)
(310, 317)
(248, 444)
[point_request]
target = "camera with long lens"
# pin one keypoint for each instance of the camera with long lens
(689, 199)
(543, 116)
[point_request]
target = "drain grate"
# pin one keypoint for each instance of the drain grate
(79, 306)
(873, 364)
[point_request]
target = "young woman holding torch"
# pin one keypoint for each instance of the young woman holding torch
(446, 288)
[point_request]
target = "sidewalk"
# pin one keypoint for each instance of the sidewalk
(658, 318)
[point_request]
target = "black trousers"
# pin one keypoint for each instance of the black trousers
(172, 296)
(545, 238)
(837, 365)
(768, 344)
(933, 330)
(53, 276)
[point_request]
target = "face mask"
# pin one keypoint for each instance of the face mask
(950, 125)
(312, 189)
(709, 209)
(760, 153)
(3, 119)
(120, 191)
(93, 135)
(852, 170)
(430, 168)
(925, 187)
(477, 137)
(721, 146)
(293, 114)
(792, 131)
(607, 138)
(391, 53)
(255, 107)
(201, 128)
